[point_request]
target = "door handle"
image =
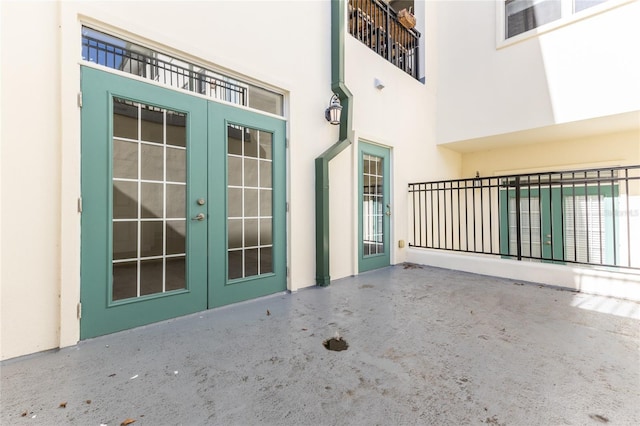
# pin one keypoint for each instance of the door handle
(199, 216)
(388, 212)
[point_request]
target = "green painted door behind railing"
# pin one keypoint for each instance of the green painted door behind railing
(557, 224)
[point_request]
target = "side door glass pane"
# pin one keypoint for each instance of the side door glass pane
(372, 205)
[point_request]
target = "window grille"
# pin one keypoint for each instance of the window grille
(115, 53)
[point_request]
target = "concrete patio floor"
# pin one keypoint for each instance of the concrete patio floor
(426, 346)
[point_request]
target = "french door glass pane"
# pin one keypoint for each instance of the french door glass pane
(249, 202)
(125, 158)
(149, 200)
(125, 200)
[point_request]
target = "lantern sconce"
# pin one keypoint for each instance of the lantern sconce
(333, 112)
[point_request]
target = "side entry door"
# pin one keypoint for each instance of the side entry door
(374, 207)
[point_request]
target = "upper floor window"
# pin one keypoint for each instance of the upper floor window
(387, 31)
(524, 15)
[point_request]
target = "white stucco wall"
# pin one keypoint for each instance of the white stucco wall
(30, 277)
(578, 71)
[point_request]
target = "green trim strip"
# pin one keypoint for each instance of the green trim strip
(338, 8)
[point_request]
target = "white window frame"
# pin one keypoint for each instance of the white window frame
(567, 17)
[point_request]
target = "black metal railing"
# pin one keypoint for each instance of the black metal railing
(114, 53)
(376, 24)
(579, 216)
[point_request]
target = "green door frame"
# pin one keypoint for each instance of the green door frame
(368, 262)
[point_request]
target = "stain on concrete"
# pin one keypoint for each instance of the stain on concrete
(336, 344)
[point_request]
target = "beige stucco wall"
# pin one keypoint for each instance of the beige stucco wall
(31, 170)
(617, 149)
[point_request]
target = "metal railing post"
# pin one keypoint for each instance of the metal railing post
(518, 220)
(387, 32)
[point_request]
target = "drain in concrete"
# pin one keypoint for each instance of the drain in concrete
(336, 344)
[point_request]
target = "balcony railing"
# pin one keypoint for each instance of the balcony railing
(376, 24)
(582, 216)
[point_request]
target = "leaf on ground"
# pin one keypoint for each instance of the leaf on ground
(88, 401)
(24, 414)
(304, 329)
(127, 422)
(599, 418)
(63, 405)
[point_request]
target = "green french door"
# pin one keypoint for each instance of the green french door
(247, 157)
(182, 204)
(374, 207)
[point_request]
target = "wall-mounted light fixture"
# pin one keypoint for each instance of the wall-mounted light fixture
(333, 112)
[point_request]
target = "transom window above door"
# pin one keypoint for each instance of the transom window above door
(115, 53)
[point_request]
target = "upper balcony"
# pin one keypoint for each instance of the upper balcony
(376, 24)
